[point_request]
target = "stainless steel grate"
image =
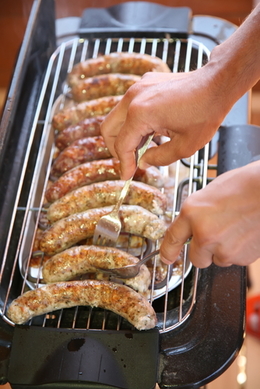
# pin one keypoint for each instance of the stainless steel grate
(185, 177)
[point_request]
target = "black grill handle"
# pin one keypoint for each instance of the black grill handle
(238, 146)
(135, 19)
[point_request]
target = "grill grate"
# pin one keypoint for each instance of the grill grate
(175, 306)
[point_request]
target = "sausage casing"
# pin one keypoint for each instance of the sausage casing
(128, 63)
(96, 171)
(75, 228)
(79, 260)
(80, 111)
(80, 151)
(86, 128)
(106, 193)
(115, 297)
(102, 85)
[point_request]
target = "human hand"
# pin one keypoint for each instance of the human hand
(183, 107)
(223, 220)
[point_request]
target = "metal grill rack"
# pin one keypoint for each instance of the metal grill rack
(182, 55)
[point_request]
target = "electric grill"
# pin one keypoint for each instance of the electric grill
(201, 320)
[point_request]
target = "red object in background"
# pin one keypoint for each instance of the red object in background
(253, 316)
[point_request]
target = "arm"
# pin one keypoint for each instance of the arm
(186, 107)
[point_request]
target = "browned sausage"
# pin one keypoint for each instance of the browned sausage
(79, 260)
(69, 231)
(96, 171)
(80, 151)
(120, 299)
(106, 193)
(102, 85)
(80, 111)
(129, 63)
(86, 128)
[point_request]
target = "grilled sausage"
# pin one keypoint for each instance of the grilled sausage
(80, 260)
(102, 85)
(128, 63)
(75, 228)
(120, 299)
(96, 171)
(78, 112)
(106, 193)
(85, 128)
(80, 151)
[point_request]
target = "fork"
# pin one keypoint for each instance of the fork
(109, 226)
(129, 271)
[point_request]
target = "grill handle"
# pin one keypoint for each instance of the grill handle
(238, 146)
(135, 19)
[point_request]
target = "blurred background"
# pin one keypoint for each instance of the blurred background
(244, 372)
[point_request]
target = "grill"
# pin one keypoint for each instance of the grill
(93, 348)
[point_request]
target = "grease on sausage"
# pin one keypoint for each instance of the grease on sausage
(106, 193)
(77, 227)
(128, 63)
(120, 299)
(102, 85)
(81, 151)
(96, 171)
(80, 111)
(86, 128)
(79, 260)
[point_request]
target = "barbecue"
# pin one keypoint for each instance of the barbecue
(178, 342)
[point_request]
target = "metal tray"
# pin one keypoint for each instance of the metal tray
(32, 275)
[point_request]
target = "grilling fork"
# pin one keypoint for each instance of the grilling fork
(109, 226)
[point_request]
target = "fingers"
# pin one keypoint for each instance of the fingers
(164, 154)
(125, 146)
(112, 124)
(175, 237)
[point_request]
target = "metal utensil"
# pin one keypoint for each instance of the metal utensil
(109, 226)
(130, 271)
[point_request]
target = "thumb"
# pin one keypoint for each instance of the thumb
(175, 237)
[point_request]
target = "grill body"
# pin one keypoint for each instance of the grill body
(188, 356)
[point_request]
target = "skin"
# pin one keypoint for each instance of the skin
(223, 218)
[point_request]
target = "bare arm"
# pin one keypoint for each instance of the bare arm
(224, 217)
(186, 107)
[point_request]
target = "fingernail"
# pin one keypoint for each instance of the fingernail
(143, 165)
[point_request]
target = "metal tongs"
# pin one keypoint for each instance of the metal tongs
(109, 226)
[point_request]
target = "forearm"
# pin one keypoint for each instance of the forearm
(235, 64)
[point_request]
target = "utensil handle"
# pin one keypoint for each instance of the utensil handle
(143, 146)
(141, 149)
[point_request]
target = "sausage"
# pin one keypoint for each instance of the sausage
(85, 128)
(96, 171)
(79, 260)
(102, 85)
(80, 111)
(80, 151)
(69, 231)
(120, 299)
(106, 193)
(128, 63)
